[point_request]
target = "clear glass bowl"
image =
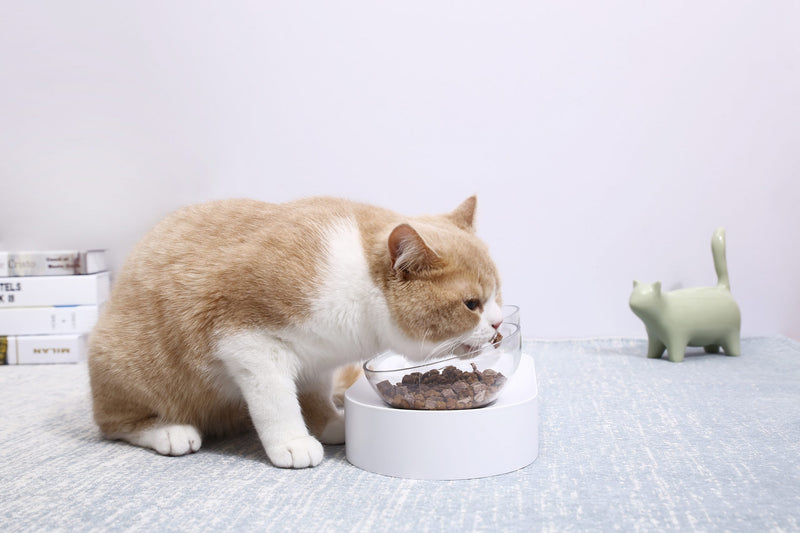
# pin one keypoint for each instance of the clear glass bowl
(456, 382)
(511, 314)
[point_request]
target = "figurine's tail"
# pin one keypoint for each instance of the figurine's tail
(720, 263)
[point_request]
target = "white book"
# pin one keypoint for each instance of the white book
(91, 289)
(48, 320)
(52, 262)
(42, 349)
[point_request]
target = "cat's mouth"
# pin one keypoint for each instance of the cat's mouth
(463, 350)
(466, 348)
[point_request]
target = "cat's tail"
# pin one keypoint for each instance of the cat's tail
(720, 263)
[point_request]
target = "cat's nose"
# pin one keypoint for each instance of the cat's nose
(496, 325)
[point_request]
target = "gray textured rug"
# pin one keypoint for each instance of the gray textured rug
(626, 443)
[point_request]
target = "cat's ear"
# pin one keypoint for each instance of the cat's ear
(464, 214)
(657, 287)
(408, 250)
(635, 284)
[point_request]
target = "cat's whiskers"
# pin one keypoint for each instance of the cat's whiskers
(422, 343)
(447, 347)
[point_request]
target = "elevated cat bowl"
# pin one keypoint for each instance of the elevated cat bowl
(463, 444)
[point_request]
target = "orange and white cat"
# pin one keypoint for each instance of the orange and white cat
(238, 312)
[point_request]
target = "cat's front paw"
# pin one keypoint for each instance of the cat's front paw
(301, 452)
(333, 432)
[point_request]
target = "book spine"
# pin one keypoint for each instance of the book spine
(42, 349)
(48, 320)
(52, 263)
(91, 289)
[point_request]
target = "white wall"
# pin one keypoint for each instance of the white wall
(606, 140)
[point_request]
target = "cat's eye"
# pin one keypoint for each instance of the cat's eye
(472, 304)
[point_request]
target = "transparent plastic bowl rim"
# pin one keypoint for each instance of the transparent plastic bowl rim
(508, 338)
(511, 314)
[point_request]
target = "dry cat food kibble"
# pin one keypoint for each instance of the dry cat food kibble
(449, 389)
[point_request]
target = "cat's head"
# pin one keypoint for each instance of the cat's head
(644, 296)
(442, 287)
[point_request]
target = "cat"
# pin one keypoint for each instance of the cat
(702, 316)
(236, 313)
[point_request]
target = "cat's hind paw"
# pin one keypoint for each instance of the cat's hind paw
(301, 452)
(175, 439)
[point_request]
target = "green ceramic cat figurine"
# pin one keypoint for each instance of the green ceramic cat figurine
(701, 316)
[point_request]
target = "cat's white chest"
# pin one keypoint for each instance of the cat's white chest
(348, 312)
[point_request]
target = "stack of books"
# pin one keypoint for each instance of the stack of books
(49, 302)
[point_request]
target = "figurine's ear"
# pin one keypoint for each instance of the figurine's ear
(657, 287)
(635, 284)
